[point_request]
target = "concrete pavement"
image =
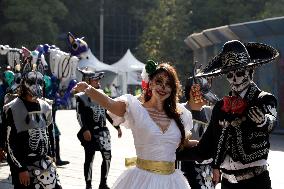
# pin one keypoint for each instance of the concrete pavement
(71, 175)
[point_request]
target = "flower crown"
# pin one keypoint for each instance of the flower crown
(150, 68)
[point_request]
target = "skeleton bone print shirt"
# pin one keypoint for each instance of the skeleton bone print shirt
(29, 132)
(91, 116)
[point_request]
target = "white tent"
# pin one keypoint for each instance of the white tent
(129, 71)
(87, 59)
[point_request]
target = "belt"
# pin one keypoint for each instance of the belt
(158, 167)
(243, 175)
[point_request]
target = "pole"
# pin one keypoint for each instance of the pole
(102, 31)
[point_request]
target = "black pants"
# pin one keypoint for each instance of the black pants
(88, 165)
(57, 148)
(261, 181)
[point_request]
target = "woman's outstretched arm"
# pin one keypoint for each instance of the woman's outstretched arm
(116, 107)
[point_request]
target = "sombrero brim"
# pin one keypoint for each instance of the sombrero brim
(259, 54)
(98, 75)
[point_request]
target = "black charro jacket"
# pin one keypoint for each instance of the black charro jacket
(236, 135)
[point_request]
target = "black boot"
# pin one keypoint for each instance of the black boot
(104, 186)
(60, 162)
(88, 185)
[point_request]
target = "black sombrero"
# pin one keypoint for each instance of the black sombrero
(205, 87)
(91, 74)
(235, 55)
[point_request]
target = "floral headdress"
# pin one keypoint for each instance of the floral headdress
(150, 68)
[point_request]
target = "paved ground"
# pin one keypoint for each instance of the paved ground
(72, 175)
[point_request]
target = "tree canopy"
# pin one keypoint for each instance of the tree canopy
(150, 28)
(28, 22)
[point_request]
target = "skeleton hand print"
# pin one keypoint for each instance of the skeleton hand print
(105, 140)
(256, 115)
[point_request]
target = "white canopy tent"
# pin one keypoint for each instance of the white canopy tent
(90, 61)
(129, 71)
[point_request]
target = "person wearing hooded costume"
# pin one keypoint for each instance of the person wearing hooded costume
(237, 137)
(30, 140)
(94, 135)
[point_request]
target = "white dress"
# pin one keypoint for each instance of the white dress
(151, 144)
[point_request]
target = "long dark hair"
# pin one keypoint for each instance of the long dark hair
(170, 105)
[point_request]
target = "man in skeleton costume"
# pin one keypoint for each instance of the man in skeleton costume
(238, 133)
(94, 135)
(199, 100)
(28, 120)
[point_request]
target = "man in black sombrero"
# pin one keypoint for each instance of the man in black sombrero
(238, 133)
(94, 135)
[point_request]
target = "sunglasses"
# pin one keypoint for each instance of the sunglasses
(239, 73)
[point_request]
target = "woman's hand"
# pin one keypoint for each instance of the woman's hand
(24, 178)
(80, 87)
(87, 135)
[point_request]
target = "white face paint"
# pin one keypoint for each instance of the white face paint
(239, 80)
(34, 83)
(161, 87)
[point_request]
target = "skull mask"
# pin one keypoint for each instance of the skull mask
(34, 83)
(239, 80)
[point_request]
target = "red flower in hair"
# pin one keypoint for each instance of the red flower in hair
(144, 85)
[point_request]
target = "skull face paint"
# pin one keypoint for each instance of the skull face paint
(239, 80)
(161, 87)
(34, 83)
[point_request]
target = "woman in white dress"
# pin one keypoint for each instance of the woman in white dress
(159, 126)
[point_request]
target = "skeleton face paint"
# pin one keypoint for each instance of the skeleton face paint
(34, 83)
(239, 80)
(161, 87)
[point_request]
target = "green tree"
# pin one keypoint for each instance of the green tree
(29, 23)
(168, 24)
(82, 19)
(164, 34)
(272, 9)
